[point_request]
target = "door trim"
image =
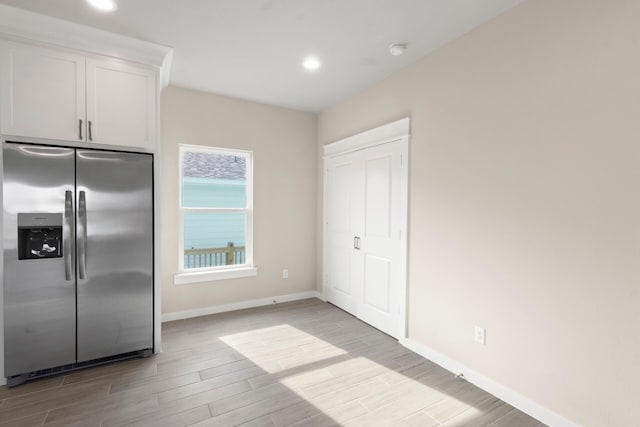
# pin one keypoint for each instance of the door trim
(397, 131)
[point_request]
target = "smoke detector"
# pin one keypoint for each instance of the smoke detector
(397, 49)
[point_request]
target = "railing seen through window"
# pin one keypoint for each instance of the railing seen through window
(214, 257)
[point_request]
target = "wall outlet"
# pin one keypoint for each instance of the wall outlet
(480, 335)
(285, 274)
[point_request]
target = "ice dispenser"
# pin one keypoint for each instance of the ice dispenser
(39, 235)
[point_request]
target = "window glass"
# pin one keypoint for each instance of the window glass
(212, 180)
(216, 216)
(214, 239)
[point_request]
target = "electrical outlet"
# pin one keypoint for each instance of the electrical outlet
(285, 274)
(480, 335)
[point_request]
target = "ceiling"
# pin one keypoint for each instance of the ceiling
(253, 49)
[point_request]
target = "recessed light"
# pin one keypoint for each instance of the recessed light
(311, 63)
(103, 5)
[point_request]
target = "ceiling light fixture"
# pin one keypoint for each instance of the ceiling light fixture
(311, 63)
(397, 49)
(103, 5)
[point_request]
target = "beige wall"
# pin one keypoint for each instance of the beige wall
(525, 201)
(284, 146)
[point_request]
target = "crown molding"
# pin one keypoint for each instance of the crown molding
(24, 26)
(381, 135)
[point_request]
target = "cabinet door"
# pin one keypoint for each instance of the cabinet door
(121, 103)
(42, 92)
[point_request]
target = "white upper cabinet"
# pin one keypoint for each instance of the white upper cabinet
(121, 103)
(51, 94)
(42, 92)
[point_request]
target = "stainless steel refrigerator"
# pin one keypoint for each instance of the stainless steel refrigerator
(78, 257)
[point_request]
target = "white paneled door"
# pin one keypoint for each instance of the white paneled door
(341, 182)
(365, 234)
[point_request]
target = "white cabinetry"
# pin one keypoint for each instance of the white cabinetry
(53, 94)
(121, 103)
(42, 92)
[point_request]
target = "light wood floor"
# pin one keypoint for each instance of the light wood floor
(302, 364)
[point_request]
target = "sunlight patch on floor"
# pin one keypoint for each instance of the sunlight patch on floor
(271, 348)
(338, 385)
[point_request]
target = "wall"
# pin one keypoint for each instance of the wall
(284, 146)
(525, 201)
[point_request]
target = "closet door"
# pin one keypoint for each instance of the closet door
(341, 217)
(365, 246)
(379, 258)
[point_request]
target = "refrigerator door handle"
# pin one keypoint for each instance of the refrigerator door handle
(82, 232)
(66, 234)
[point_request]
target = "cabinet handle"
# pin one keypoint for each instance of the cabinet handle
(356, 243)
(80, 129)
(90, 133)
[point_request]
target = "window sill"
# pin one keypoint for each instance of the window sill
(210, 276)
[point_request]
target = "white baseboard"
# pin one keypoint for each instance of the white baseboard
(204, 311)
(512, 397)
(321, 297)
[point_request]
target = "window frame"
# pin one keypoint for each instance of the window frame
(205, 274)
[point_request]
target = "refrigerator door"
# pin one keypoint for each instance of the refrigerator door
(115, 253)
(39, 282)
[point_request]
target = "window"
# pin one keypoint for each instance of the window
(216, 214)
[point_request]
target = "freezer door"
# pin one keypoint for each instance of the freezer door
(39, 285)
(115, 253)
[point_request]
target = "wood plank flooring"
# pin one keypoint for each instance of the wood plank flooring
(305, 363)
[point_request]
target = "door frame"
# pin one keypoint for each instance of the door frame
(397, 131)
